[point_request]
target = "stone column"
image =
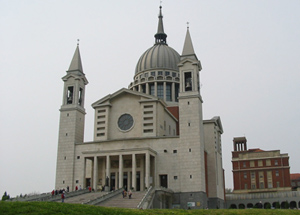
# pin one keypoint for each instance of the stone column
(128, 180)
(108, 169)
(147, 88)
(165, 91)
(83, 175)
(173, 92)
(103, 172)
(147, 176)
(142, 175)
(134, 171)
(120, 171)
(95, 180)
(140, 88)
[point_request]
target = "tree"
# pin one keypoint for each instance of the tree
(5, 196)
(228, 190)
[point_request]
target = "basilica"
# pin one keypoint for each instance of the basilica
(151, 135)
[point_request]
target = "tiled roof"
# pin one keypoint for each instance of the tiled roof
(295, 176)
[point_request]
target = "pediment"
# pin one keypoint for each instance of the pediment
(106, 101)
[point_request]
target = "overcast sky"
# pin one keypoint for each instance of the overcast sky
(249, 51)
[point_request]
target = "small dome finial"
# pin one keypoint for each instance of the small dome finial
(77, 42)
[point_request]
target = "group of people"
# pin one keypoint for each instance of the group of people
(124, 193)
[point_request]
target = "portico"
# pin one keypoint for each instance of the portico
(130, 168)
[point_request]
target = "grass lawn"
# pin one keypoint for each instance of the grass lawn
(53, 208)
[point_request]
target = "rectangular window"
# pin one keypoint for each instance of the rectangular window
(160, 90)
(173, 74)
(78, 157)
(261, 185)
(146, 74)
(268, 162)
(244, 164)
(80, 96)
(277, 173)
(188, 81)
(191, 176)
(253, 186)
(152, 89)
(77, 181)
(160, 72)
(276, 162)
(246, 186)
(245, 174)
(252, 164)
(70, 95)
(270, 185)
(252, 174)
(260, 163)
(153, 74)
(167, 73)
(278, 184)
(168, 92)
(175, 177)
(175, 151)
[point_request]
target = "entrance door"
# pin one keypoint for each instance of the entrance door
(112, 181)
(125, 180)
(138, 181)
(88, 182)
(164, 181)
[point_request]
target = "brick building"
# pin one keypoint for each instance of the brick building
(295, 181)
(256, 170)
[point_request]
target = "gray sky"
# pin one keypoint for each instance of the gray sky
(249, 52)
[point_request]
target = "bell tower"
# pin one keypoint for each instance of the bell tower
(192, 161)
(71, 125)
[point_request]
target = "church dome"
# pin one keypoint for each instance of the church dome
(158, 57)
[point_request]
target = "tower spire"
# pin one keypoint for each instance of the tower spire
(76, 64)
(160, 36)
(188, 49)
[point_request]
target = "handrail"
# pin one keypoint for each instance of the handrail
(146, 195)
(104, 197)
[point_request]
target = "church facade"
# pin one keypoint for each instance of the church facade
(151, 134)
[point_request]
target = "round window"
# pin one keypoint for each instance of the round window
(125, 122)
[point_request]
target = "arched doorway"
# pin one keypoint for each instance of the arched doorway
(249, 205)
(232, 206)
(276, 205)
(267, 205)
(241, 206)
(284, 205)
(293, 204)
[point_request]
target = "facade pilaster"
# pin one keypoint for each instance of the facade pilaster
(165, 90)
(108, 169)
(120, 171)
(147, 170)
(95, 181)
(134, 171)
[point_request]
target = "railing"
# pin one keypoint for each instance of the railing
(282, 194)
(104, 197)
(144, 198)
(48, 196)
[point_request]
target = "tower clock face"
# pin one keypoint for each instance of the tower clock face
(125, 122)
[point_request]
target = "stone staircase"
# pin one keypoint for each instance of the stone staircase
(120, 202)
(84, 198)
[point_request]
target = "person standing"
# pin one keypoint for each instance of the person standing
(130, 194)
(63, 197)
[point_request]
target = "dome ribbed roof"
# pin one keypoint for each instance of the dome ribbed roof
(160, 56)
